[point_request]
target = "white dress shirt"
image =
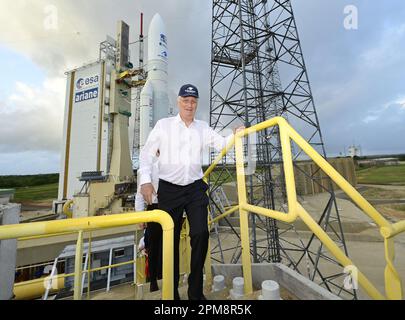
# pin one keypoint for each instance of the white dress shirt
(140, 204)
(181, 150)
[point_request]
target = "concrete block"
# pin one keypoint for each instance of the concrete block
(9, 214)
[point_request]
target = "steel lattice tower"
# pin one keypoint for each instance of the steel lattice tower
(258, 72)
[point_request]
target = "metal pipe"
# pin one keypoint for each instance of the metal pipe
(109, 270)
(66, 210)
(393, 284)
(33, 289)
(49, 284)
(393, 230)
(86, 261)
(243, 216)
(223, 215)
(78, 267)
(89, 267)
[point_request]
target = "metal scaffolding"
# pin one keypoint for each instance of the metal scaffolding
(258, 72)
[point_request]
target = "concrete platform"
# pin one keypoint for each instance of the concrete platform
(293, 286)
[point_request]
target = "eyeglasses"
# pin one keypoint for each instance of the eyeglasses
(189, 100)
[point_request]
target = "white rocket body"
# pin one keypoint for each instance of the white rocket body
(154, 96)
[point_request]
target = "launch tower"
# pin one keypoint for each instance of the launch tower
(258, 72)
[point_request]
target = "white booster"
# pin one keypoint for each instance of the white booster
(154, 95)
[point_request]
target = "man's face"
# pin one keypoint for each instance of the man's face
(187, 107)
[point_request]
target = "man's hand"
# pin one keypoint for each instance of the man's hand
(147, 191)
(236, 130)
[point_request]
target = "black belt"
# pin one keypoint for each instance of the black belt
(177, 185)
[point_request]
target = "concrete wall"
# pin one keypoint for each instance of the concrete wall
(9, 214)
(307, 186)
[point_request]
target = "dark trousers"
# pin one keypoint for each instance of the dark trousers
(192, 198)
(153, 244)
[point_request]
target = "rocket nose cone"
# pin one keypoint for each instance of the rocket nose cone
(157, 16)
(157, 42)
(157, 22)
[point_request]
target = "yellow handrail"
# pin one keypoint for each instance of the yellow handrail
(80, 225)
(25, 285)
(393, 282)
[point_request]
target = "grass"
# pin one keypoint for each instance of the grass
(36, 193)
(27, 180)
(395, 212)
(379, 193)
(391, 175)
(399, 207)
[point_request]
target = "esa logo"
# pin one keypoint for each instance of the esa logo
(163, 39)
(86, 82)
(163, 54)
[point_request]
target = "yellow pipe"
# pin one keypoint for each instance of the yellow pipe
(28, 290)
(167, 273)
(218, 158)
(393, 281)
(89, 268)
(36, 288)
(46, 236)
(338, 179)
(85, 224)
(99, 222)
(111, 266)
(337, 252)
(207, 266)
(41, 280)
(66, 209)
(223, 215)
(282, 216)
(393, 284)
(77, 295)
(243, 216)
(393, 230)
(288, 169)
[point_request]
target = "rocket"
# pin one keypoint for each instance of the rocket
(154, 99)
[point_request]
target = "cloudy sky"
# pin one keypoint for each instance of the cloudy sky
(357, 76)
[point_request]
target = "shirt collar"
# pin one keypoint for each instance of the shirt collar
(179, 120)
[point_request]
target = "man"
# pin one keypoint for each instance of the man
(181, 140)
(153, 232)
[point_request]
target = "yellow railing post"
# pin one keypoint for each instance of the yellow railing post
(288, 169)
(393, 280)
(207, 264)
(393, 284)
(167, 272)
(243, 216)
(89, 267)
(78, 267)
(184, 250)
